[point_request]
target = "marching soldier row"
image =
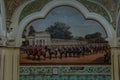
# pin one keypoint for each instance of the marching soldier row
(34, 52)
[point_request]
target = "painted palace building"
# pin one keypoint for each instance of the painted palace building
(40, 38)
(44, 38)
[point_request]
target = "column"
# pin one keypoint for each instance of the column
(115, 58)
(9, 64)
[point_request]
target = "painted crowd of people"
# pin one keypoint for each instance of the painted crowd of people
(35, 52)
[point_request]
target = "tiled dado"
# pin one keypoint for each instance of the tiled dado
(99, 72)
(65, 78)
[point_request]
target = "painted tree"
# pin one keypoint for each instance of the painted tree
(31, 31)
(81, 38)
(59, 30)
(95, 37)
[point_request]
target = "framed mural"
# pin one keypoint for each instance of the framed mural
(64, 37)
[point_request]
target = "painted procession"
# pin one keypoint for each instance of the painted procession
(65, 37)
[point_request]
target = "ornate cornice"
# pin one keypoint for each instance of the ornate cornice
(96, 7)
(11, 6)
(106, 8)
(32, 7)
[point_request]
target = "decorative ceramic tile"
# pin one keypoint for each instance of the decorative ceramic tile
(93, 72)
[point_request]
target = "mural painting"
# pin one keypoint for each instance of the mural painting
(64, 37)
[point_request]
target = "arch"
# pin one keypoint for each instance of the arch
(118, 26)
(90, 5)
(41, 14)
(2, 19)
(1, 27)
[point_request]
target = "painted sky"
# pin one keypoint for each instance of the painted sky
(71, 17)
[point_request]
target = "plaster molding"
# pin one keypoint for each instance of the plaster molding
(2, 24)
(3, 16)
(117, 24)
(118, 29)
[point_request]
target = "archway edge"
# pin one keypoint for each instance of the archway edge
(117, 24)
(41, 14)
